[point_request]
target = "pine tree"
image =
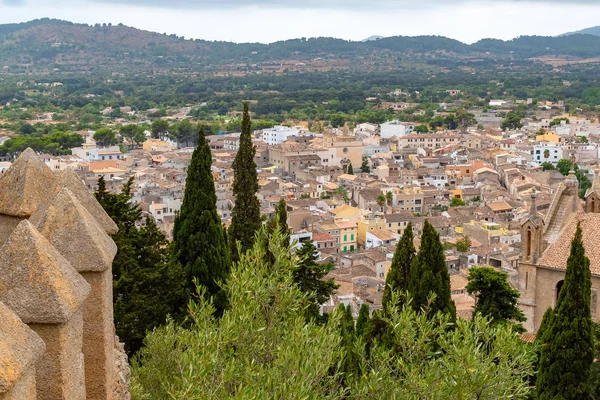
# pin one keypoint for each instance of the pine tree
(246, 219)
(429, 273)
(568, 341)
(363, 320)
(399, 273)
(308, 276)
(149, 288)
(496, 299)
(146, 287)
(198, 239)
(350, 169)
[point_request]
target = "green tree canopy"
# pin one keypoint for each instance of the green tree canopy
(308, 274)
(263, 347)
(568, 340)
(199, 242)
(496, 299)
(429, 275)
(463, 244)
(147, 288)
(245, 219)
(398, 275)
(105, 137)
(364, 167)
(512, 122)
(159, 128)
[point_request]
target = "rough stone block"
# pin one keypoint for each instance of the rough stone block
(37, 282)
(69, 179)
(25, 185)
(20, 348)
(60, 371)
(98, 336)
(75, 233)
(7, 225)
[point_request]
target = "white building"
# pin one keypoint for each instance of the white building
(278, 134)
(396, 128)
(547, 152)
(497, 103)
(167, 209)
(381, 237)
(105, 154)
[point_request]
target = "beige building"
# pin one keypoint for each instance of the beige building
(428, 140)
(334, 149)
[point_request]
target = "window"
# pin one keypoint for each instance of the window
(345, 249)
(352, 237)
(351, 248)
(345, 238)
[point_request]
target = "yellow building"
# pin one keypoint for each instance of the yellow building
(368, 224)
(347, 212)
(456, 193)
(548, 137)
(157, 145)
(348, 235)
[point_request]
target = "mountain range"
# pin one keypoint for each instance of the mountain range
(55, 45)
(595, 30)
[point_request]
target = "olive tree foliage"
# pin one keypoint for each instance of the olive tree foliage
(434, 358)
(263, 347)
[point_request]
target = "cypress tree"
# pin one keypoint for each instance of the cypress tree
(399, 273)
(364, 167)
(429, 273)
(346, 328)
(279, 221)
(568, 341)
(281, 217)
(350, 169)
(363, 320)
(245, 220)
(198, 239)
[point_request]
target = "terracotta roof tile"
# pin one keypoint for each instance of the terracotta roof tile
(557, 253)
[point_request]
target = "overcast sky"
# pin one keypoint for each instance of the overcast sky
(271, 20)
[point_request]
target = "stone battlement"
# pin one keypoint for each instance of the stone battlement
(57, 336)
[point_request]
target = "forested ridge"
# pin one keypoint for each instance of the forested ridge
(32, 45)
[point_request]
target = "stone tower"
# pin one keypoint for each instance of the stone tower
(532, 233)
(56, 315)
(592, 196)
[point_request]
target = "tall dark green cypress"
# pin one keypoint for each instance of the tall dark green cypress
(363, 320)
(199, 242)
(399, 273)
(350, 169)
(279, 221)
(429, 273)
(281, 217)
(246, 219)
(568, 340)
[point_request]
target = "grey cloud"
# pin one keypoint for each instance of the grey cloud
(334, 4)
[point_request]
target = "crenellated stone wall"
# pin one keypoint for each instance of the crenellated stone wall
(56, 312)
